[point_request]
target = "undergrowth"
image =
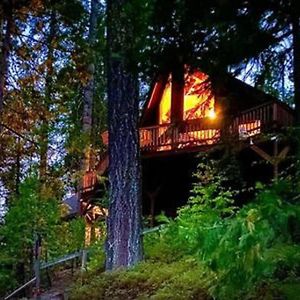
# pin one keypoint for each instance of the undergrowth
(183, 279)
(213, 250)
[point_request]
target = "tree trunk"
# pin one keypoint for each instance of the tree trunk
(177, 94)
(7, 12)
(88, 90)
(18, 168)
(123, 245)
(296, 71)
(44, 136)
(296, 50)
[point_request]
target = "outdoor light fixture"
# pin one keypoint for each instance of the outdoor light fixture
(212, 114)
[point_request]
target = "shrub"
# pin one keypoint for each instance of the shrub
(244, 247)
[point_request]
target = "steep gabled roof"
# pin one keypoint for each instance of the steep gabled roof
(242, 95)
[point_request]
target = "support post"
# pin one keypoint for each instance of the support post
(275, 112)
(83, 260)
(274, 160)
(177, 93)
(152, 196)
(37, 265)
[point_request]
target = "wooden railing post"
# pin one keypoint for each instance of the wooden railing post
(37, 265)
(84, 260)
(275, 112)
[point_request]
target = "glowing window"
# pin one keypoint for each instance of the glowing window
(198, 99)
(165, 105)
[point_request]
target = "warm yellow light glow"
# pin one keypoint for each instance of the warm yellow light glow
(212, 114)
(249, 129)
(198, 99)
(165, 105)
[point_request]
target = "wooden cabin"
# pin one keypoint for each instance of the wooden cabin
(188, 112)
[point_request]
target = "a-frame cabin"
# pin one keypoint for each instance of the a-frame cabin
(183, 117)
(188, 112)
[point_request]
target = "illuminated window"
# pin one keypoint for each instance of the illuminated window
(165, 105)
(198, 99)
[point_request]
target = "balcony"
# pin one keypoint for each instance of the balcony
(195, 135)
(192, 134)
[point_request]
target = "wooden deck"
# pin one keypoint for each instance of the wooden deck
(205, 132)
(200, 134)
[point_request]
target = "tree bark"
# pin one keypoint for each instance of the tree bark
(44, 136)
(7, 12)
(296, 67)
(296, 73)
(88, 90)
(123, 245)
(177, 94)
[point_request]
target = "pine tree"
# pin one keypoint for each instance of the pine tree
(89, 86)
(123, 245)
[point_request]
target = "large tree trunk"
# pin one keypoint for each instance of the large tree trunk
(7, 15)
(296, 50)
(88, 90)
(296, 71)
(123, 245)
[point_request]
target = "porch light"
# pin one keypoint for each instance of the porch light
(212, 114)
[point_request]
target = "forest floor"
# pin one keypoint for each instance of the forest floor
(60, 284)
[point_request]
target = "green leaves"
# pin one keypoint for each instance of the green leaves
(242, 247)
(35, 210)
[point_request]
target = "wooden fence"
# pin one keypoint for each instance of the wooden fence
(63, 259)
(46, 265)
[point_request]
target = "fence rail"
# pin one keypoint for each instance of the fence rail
(15, 292)
(201, 132)
(46, 265)
(60, 260)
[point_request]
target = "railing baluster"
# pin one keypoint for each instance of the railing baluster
(254, 120)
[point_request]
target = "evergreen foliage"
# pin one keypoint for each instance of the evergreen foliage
(214, 249)
(244, 247)
(34, 212)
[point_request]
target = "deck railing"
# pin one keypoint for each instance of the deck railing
(89, 181)
(202, 132)
(199, 133)
(169, 136)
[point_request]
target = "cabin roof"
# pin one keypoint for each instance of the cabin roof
(246, 94)
(73, 205)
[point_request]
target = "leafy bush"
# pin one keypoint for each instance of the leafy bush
(214, 248)
(34, 210)
(96, 262)
(243, 247)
